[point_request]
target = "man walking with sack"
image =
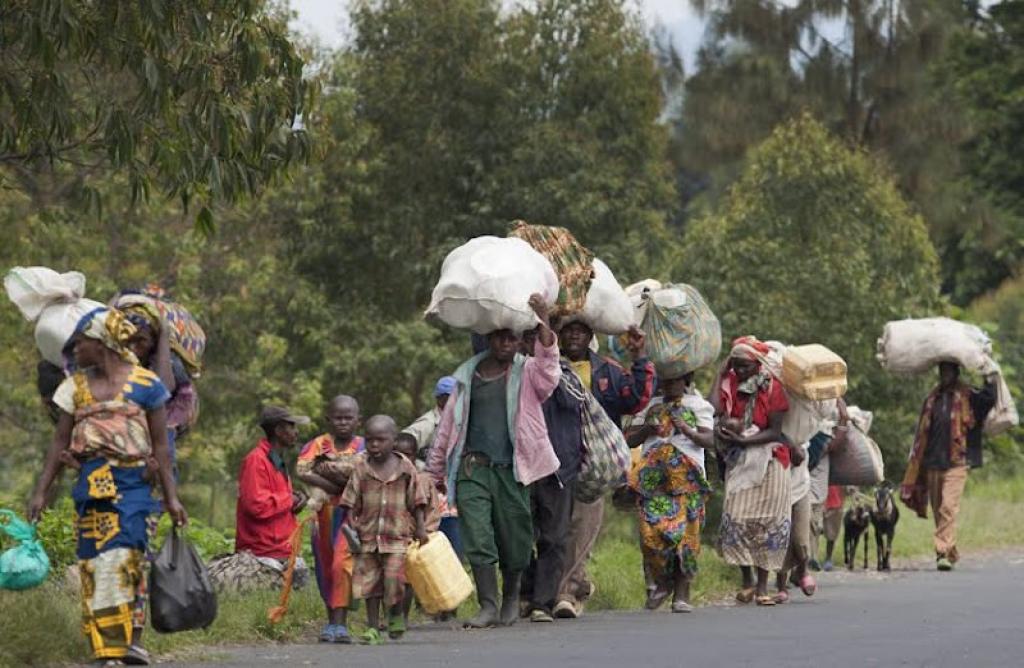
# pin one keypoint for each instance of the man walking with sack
(947, 444)
(619, 392)
(552, 497)
(490, 445)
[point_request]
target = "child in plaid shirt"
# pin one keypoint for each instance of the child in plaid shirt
(387, 507)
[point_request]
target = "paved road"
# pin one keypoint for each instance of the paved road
(972, 617)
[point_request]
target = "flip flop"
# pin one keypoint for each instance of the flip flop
(746, 595)
(371, 637)
(656, 598)
(808, 586)
(341, 635)
(681, 606)
(781, 597)
(136, 656)
(766, 601)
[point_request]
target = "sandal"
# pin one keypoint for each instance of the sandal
(396, 627)
(766, 601)
(655, 598)
(328, 633)
(681, 606)
(136, 656)
(808, 586)
(782, 597)
(746, 595)
(371, 636)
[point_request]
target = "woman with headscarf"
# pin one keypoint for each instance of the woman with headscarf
(112, 420)
(151, 344)
(750, 404)
(670, 488)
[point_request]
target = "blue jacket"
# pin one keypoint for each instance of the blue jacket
(622, 392)
(563, 413)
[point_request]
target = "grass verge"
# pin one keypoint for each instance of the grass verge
(42, 627)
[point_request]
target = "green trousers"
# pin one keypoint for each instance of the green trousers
(494, 517)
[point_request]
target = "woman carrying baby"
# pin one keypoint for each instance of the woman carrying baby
(750, 404)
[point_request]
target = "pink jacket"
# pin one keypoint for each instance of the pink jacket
(531, 381)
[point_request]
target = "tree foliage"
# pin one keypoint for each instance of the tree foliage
(874, 84)
(814, 244)
(985, 68)
(194, 100)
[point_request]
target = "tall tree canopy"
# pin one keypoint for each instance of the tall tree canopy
(814, 244)
(196, 100)
(867, 70)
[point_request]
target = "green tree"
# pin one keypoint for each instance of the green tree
(474, 119)
(985, 69)
(196, 100)
(814, 244)
(874, 86)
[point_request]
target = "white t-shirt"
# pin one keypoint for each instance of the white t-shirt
(705, 415)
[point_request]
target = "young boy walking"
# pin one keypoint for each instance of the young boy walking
(387, 510)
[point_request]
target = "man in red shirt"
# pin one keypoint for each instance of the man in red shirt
(267, 504)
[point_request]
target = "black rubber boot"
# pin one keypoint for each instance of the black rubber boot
(486, 579)
(510, 597)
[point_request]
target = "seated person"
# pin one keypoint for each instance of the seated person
(265, 514)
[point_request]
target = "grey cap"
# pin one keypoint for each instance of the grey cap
(271, 415)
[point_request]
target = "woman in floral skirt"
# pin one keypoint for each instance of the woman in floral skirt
(670, 486)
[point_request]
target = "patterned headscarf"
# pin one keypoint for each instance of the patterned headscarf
(111, 328)
(143, 316)
(750, 348)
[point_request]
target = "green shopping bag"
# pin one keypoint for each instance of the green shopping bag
(25, 565)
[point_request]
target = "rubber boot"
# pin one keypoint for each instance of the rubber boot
(486, 579)
(510, 596)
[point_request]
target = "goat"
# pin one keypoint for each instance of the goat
(855, 523)
(884, 518)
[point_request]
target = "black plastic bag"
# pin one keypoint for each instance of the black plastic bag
(181, 595)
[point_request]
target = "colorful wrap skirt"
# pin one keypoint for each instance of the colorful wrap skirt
(115, 508)
(671, 490)
(756, 521)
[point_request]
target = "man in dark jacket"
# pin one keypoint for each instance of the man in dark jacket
(947, 444)
(620, 393)
(552, 497)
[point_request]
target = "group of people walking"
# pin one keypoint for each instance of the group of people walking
(492, 466)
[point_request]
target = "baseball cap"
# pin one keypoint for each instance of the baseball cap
(271, 415)
(444, 386)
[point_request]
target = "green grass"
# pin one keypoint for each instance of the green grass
(41, 626)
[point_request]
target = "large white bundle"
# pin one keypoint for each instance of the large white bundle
(486, 285)
(54, 301)
(915, 346)
(608, 309)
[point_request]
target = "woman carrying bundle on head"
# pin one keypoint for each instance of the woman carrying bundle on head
(750, 404)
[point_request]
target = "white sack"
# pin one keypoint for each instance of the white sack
(34, 288)
(55, 326)
(486, 285)
(608, 309)
(916, 346)
(54, 301)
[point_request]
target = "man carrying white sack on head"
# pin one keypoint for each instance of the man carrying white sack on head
(947, 444)
(490, 445)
